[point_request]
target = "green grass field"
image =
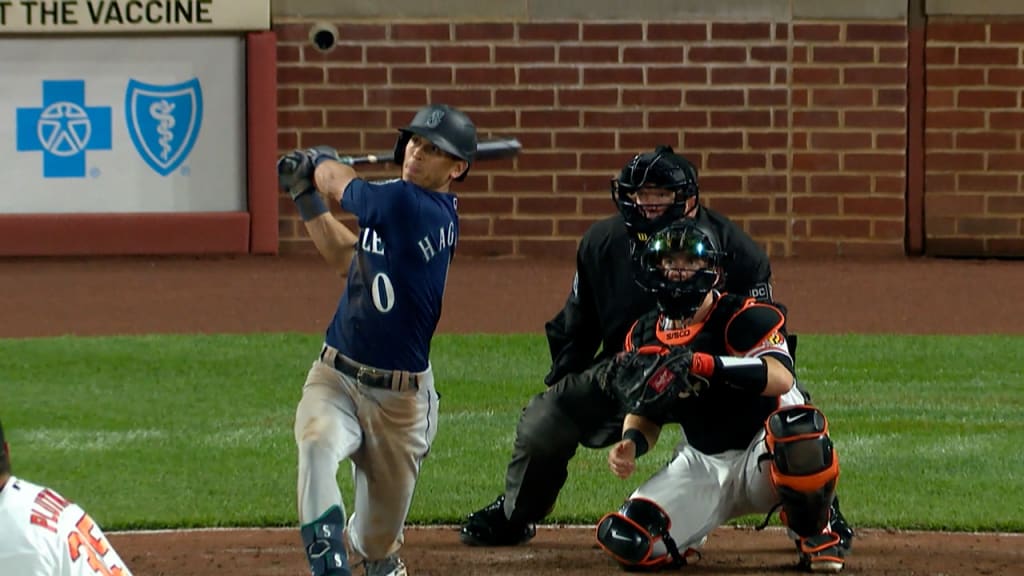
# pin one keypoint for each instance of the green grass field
(186, 431)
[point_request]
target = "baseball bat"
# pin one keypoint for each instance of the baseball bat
(486, 150)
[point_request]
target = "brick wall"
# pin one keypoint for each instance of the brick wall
(974, 138)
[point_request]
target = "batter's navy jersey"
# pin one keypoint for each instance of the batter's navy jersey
(390, 308)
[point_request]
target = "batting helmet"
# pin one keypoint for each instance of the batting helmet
(680, 264)
(447, 128)
(662, 169)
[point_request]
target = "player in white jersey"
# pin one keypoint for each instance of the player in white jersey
(44, 534)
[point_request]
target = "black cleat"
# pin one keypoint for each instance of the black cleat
(489, 527)
(838, 525)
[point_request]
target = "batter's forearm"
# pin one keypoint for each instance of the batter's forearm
(334, 240)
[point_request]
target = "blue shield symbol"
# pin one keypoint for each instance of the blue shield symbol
(164, 121)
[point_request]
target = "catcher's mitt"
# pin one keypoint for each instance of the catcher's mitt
(648, 384)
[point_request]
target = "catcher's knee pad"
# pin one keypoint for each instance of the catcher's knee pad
(630, 536)
(804, 467)
(324, 543)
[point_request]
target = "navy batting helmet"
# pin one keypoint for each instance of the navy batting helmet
(680, 264)
(662, 169)
(447, 128)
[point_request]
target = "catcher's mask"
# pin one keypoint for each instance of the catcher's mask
(680, 264)
(662, 169)
(447, 128)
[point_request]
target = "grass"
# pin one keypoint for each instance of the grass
(189, 431)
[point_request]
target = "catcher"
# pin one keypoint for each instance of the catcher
(720, 366)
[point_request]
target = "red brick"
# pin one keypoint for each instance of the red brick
(737, 205)
(934, 182)
(779, 161)
(349, 75)
(844, 228)
(460, 54)
(765, 140)
(297, 32)
(587, 184)
(618, 31)
(735, 161)
(357, 118)
(769, 53)
(676, 75)
(1010, 247)
(288, 54)
(782, 31)
(589, 139)
(1005, 77)
(485, 247)
(462, 98)
(988, 99)
(1005, 161)
(288, 97)
(345, 141)
(1004, 204)
(873, 206)
(953, 161)
(675, 32)
(715, 98)
(332, 97)
(875, 119)
(532, 140)
(721, 185)
(954, 119)
(635, 141)
(575, 227)
(816, 32)
(891, 185)
(843, 97)
(545, 205)
(954, 246)
(547, 161)
(801, 54)
(519, 227)
(896, 97)
(390, 97)
(893, 229)
(988, 56)
(287, 140)
(890, 55)
(549, 75)
(421, 75)
(431, 31)
(649, 54)
(939, 55)
(741, 75)
(816, 205)
(988, 183)
(470, 226)
(300, 118)
(987, 141)
(816, 118)
(494, 119)
(892, 140)
(718, 139)
(956, 77)
(524, 97)
(360, 32)
(768, 97)
(618, 75)
(876, 33)
(840, 140)
(562, 250)
(816, 162)
(936, 99)
(593, 53)
(484, 31)
(526, 54)
(955, 32)
(396, 54)
(874, 162)
(485, 75)
(610, 162)
(741, 118)
(485, 204)
(678, 119)
(613, 119)
(876, 75)
(588, 97)
(741, 31)
(651, 97)
(843, 54)
(549, 31)
(988, 226)
(549, 118)
(1006, 120)
(757, 184)
(816, 75)
(1012, 32)
(299, 75)
(717, 54)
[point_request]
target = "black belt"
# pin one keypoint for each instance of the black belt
(374, 377)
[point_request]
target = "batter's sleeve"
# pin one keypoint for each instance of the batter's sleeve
(574, 334)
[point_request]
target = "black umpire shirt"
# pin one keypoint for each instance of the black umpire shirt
(606, 300)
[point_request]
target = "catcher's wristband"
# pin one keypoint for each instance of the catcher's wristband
(637, 437)
(310, 205)
(750, 374)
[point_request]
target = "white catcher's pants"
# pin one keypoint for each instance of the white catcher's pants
(701, 492)
(386, 435)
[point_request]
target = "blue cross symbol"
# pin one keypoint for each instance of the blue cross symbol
(64, 129)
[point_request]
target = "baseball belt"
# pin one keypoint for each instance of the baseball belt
(396, 380)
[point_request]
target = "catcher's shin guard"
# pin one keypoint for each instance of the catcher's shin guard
(631, 534)
(804, 467)
(324, 544)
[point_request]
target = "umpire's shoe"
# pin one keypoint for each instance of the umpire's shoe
(490, 527)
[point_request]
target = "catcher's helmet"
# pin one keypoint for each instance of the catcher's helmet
(663, 169)
(447, 128)
(680, 264)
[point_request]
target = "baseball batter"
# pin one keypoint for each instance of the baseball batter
(369, 396)
(719, 365)
(44, 534)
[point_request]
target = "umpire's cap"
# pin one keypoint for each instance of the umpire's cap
(447, 128)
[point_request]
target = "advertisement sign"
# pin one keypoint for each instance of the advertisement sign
(130, 16)
(132, 125)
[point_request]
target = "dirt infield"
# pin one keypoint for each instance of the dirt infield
(267, 294)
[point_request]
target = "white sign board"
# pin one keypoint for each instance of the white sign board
(136, 124)
(88, 16)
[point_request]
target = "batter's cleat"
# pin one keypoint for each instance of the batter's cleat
(390, 566)
(821, 554)
(838, 525)
(490, 527)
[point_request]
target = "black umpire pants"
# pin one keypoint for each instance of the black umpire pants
(575, 411)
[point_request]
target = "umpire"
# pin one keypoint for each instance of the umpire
(653, 190)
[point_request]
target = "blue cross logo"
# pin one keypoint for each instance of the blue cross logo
(64, 129)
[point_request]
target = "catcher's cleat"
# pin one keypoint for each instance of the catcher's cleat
(390, 566)
(822, 553)
(838, 525)
(489, 527)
